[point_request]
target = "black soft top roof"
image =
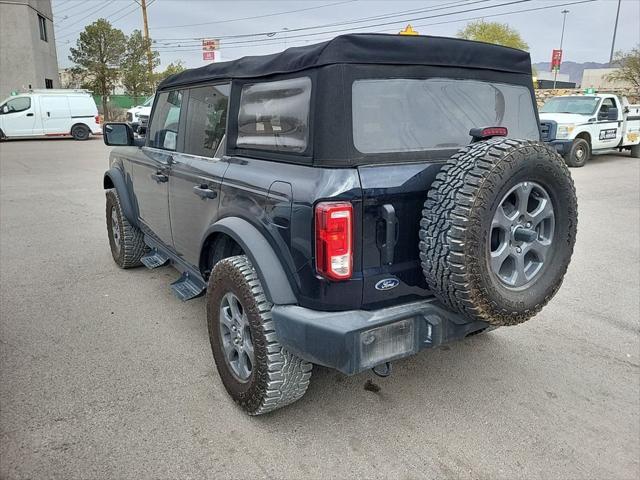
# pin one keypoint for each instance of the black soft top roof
(364, 48)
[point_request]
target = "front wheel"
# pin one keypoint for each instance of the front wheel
(635, 151)
(126, 240)
(257, 372)
(579, 154)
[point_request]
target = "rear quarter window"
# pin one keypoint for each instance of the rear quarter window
(408, 115)
(275, 115)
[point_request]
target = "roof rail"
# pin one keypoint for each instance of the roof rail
(58, 90)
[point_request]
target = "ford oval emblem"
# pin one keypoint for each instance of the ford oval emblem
(387, 284)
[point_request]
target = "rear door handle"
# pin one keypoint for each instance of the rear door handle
(204, 192)
(29, 115)
(391, 231)
(160, 177)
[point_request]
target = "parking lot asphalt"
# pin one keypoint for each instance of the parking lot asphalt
(105, 374)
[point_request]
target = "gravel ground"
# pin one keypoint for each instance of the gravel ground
(104, 374)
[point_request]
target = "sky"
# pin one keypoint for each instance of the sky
(255, 27)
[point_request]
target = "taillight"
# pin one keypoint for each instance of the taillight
(98, 119)
(334, 240)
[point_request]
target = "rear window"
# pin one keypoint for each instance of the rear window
(275, 115)
(407, 115)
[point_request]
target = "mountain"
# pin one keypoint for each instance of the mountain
(572, 68)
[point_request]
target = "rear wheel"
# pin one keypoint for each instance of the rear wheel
(80, 132)
(498, 230)
(579, 154)
(257, 372)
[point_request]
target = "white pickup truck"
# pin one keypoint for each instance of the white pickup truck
(577, 125)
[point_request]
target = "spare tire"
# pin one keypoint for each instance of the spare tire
(498, 229)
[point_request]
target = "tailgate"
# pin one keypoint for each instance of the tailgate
(393, 196)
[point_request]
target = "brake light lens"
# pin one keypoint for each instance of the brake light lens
(98, 119)
(488, 132)
(495, 132)
(334, 240)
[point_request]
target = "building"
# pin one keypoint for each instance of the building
(597, 78)
(546, 79)
(28, 57)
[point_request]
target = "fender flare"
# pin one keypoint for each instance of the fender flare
(273, 277)
(116, 178)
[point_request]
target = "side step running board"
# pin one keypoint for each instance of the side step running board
(187, 287)
(154, 259)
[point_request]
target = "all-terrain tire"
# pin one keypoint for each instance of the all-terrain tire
(80, 132)
(635, 151)
(127, 246)
(579, 154)
(457, 217)
(277, 377)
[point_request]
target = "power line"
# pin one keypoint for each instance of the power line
(445, 6)
(93, 12)
(371, 25)
(58, 12)
(262, 42)
(254, 17)
(107, 17)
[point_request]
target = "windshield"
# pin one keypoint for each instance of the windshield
(408, 115)
(577, 105)
(148, 102)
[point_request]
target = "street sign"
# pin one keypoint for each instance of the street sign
(211, 56)
(408, 30)
(556, 59)
(210, 44)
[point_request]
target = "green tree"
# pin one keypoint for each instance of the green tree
(628, 67)
(98, 54)
(172, 68)
(493, 32)
(135, 66)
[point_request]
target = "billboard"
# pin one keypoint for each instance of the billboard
(210, 44)
(210, 56)
(556, 59)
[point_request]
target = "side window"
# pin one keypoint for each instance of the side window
(42, 26)
(206, 119)
(275, 115)
(19, 104)
(607, 103)
(166, 117)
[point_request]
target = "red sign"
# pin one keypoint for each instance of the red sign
(556, 59)
(209, 44)
(209, 55)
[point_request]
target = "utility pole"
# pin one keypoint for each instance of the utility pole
(564, 19)
(143, 6)
(615, 30)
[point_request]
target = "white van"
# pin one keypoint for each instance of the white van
(50, 113)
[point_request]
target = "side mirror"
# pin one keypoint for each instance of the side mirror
(117, 134)
(142, 131)
(5, 109)
(612, 114)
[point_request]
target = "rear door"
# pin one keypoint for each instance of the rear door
(151, 165)
(408, 128)
(197, 171)
(55, 114)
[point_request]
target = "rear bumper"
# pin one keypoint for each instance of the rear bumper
(563, 147)
(347, 340)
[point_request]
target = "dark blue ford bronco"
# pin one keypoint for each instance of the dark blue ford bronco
(345, 204)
